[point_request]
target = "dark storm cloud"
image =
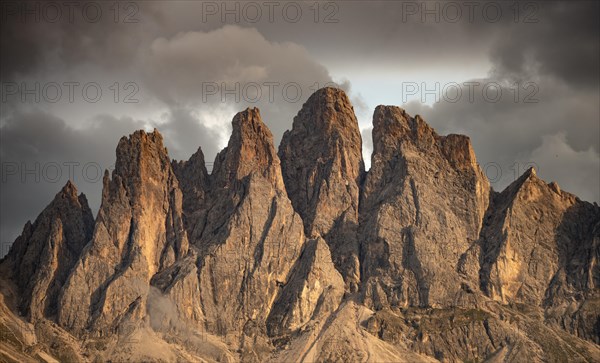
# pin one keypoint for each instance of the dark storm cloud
(175, 53)
(36, 37)
(40, 152)
(233, 66)
(564, 43)
(559, 132)
(561, 35)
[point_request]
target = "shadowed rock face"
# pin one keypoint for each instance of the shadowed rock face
(314, 291)
(41, 258)
(322, 168)
(308, 258)
(541, 248)
(421, 211)
(193, 181)
(248, 235)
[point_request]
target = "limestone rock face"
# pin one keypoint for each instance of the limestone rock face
(541, 248)
(421, 212)
(193, 181)
(41, 258)
(307, 259)
(314, 291)
(139, 231)
(247, 232)
(322, 168)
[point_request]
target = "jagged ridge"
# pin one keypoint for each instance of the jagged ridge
(416, 259)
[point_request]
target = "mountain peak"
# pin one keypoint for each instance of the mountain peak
(329, 93)
(139, 231)
(279, 255)
(528, 177)
(530, 172)
(323, 167)
(393, 122)
(69, 188)
(529, 187)
(326, 111)
(387, 116)
(193, 180)
(392, 126)
(140, 155)
(141, 138)
(419, 184)
(248, 125)
(43, 255)
(250, 150)
(69, 192)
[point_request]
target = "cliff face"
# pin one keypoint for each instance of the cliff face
(248, 234)
(139, 231)
(41, 259)
(541, 248)
(322, 167)
(314, 291)
(421, 212)
(301, 255)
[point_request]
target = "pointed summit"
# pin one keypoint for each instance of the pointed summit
(326, 110)
(139, 231)
(41, 258)
(532, 232)
(530, 171)
(322, 168)
(529, 187)
(193, 180)
(69, 189)
(423, 202)
(247, 232)
(141, 156)
(250, 150)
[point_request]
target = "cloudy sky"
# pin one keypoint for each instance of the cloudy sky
(521, 79)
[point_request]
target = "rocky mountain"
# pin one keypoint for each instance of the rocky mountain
(300, 255)
(321, 160)
(138, 232)
(42, 257)
(421, 213)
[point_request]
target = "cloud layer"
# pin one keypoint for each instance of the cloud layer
(194, 70)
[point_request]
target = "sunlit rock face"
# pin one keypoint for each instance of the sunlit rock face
(541, 248)
(422, 208)
(138, 232)
(300, 255)
(322, 167)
